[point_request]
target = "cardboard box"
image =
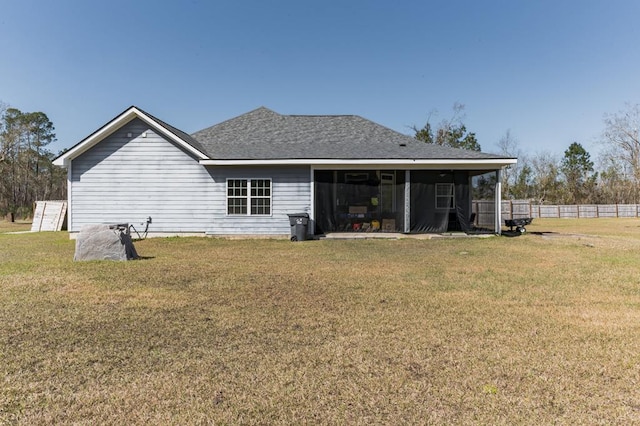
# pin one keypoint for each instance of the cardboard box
(357, 209)
(389, 225)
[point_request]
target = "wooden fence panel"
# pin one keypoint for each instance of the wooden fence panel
(570, 212)
(485, 213)
(607, 210)
(548, 212)
(588, 210)
(49, 216)
(520, 209)
(505, 209)
(627, 210)
(523, 208)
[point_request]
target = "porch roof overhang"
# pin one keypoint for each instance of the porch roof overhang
(325, 163)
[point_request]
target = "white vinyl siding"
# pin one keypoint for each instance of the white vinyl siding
(136, 173)
(290, 193)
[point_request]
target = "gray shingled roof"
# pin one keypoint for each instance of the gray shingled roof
(263, 134)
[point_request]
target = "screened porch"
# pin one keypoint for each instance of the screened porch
(405, 201)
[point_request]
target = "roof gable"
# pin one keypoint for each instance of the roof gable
(179, 137)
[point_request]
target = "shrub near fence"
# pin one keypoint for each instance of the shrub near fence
(514, 209)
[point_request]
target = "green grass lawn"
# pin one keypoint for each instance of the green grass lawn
(539, 329)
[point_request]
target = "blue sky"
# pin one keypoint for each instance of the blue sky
(546, 70)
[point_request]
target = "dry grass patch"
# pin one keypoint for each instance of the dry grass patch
(17, 226)
(501, 330)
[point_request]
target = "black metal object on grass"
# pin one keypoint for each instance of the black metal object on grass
(519, 224)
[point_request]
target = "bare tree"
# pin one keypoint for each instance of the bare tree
(515, 178)
(622, 143)
(614, 186)
(547, 186)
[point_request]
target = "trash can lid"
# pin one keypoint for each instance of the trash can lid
(298, 214)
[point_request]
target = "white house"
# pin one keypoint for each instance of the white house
(245, 175)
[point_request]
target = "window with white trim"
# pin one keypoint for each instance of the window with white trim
(249, 197)
(445, 196)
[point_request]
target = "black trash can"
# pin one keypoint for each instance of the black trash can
(299, 225)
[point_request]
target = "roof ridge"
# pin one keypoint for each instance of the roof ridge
(253, 111)
(322, 115)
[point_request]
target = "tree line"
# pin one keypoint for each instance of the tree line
(27, 173)
(574, 177)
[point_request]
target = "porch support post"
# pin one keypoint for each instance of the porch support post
(498, 200)
(407, 201)
(312, 201)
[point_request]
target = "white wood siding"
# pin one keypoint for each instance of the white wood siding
(128, 178)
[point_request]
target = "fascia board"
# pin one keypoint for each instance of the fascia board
(405, 163)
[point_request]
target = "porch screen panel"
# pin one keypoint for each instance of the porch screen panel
(398, 203)
(352, 200)
(463, 207)
(325, 201)
(483, 192)
(425, 216)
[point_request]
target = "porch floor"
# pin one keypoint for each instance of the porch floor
(398, 235)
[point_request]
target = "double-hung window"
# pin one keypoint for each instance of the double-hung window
(445, 196)
(249, 197)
